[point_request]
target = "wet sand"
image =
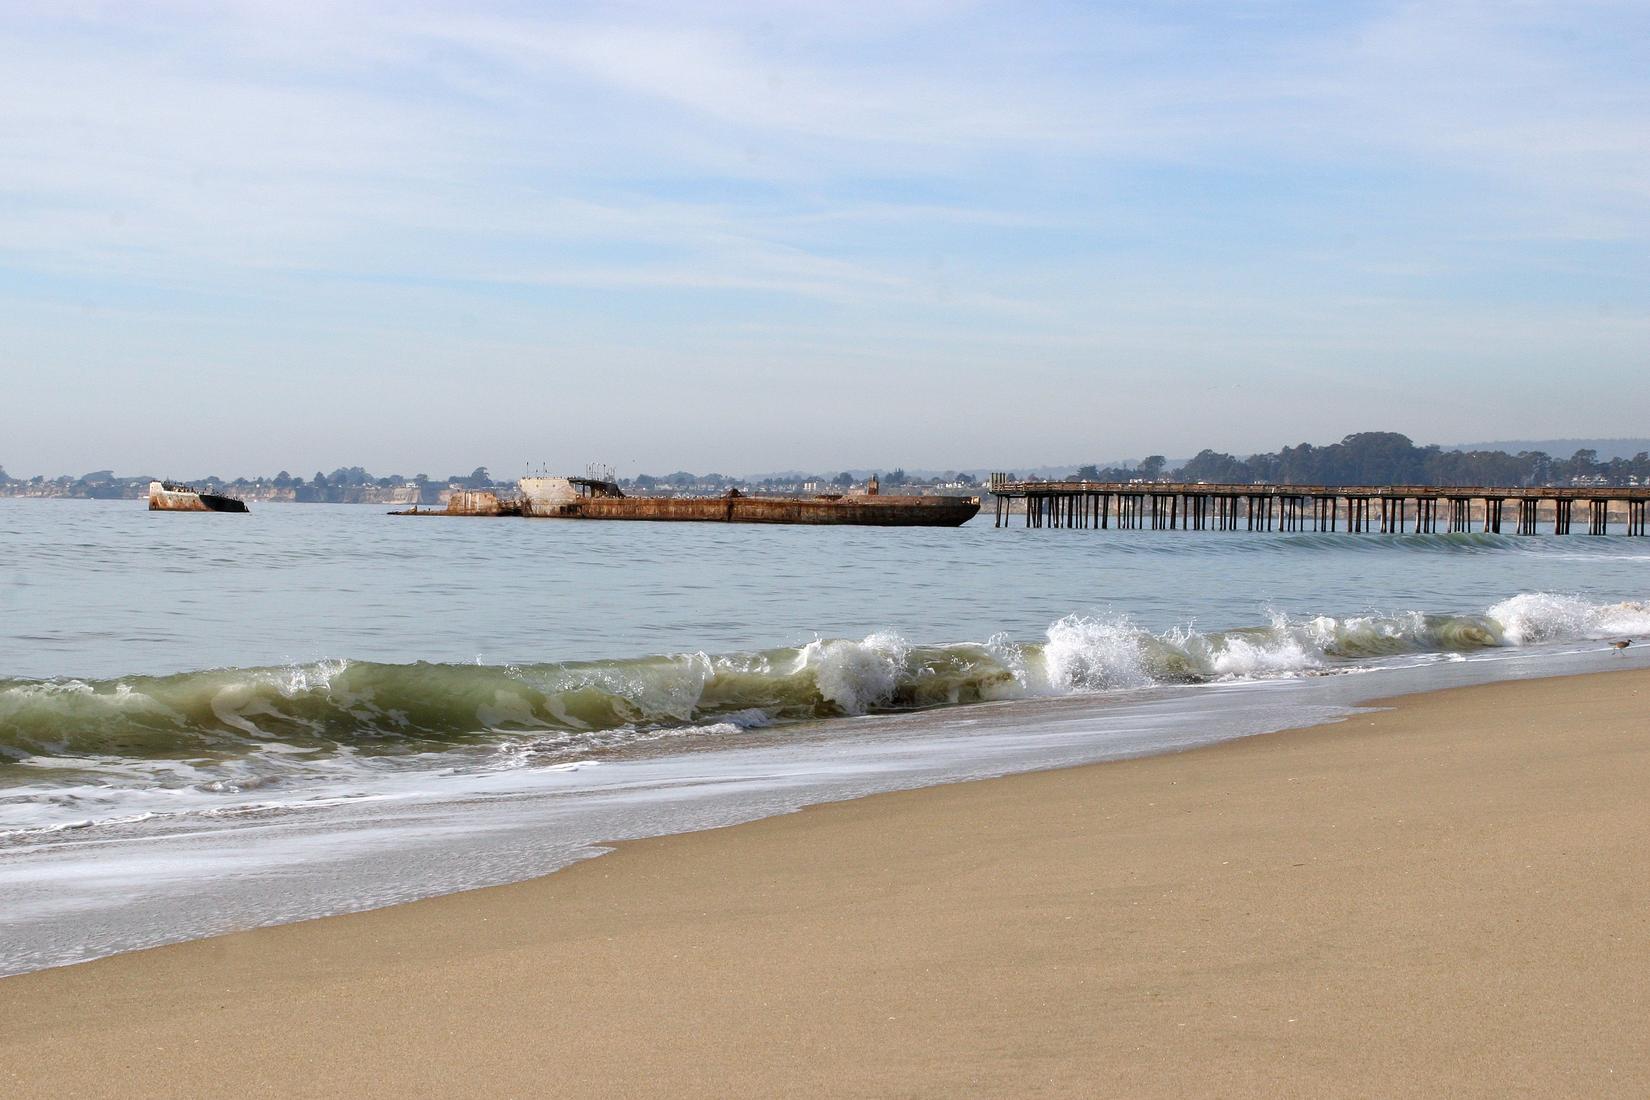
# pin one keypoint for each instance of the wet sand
(1448, 898)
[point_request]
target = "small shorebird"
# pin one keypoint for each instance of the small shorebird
(1621, 645)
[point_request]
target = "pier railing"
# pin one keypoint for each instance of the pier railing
(1390, 509)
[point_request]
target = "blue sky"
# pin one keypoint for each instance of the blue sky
(745, 237)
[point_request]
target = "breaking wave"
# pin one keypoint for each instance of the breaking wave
(80, 753)
(287, 718)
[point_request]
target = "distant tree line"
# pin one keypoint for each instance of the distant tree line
(1366, 458)
(1386, 458)
(345, 485)
(350, 485)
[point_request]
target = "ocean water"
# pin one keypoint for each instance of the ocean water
(212, 722)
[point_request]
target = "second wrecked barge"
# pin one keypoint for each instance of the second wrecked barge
(601, 498)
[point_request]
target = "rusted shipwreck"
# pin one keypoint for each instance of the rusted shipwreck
(601, 498)
(170, 496)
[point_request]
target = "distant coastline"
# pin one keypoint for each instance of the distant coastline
(1365, 458)
(359, 487)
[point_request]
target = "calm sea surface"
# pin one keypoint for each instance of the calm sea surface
(104, 588)
(210, 722)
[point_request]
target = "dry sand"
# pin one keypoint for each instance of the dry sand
(1452, 898)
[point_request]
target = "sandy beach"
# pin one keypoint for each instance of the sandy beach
(1451, 897)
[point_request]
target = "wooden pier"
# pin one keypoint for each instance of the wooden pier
(1388, 509)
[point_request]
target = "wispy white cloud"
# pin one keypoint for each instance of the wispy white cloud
(1274, 188)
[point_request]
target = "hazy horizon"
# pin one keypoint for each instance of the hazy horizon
(1621, 446)
(712, 237)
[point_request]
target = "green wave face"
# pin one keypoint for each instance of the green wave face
(374, 710)
(383, 708)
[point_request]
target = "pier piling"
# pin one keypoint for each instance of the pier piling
(1171, 506)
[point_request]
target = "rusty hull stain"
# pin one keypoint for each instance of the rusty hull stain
(872, 511)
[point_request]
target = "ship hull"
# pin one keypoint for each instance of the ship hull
(854, 511)
(818, 511)
(175, 500)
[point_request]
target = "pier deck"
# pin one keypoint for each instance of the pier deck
(1389, 509)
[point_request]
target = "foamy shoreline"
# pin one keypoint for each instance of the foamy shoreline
(80, 753)
(1444, 897)
(88, 893)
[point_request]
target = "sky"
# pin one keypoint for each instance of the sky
(236, 238)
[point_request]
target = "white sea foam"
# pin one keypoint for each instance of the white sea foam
(1093, 654)
(198, 742)
(856, 676)
(1286, 649)
(303, 678)
(1533, 617)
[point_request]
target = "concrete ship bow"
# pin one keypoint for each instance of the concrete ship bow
(166, 496)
